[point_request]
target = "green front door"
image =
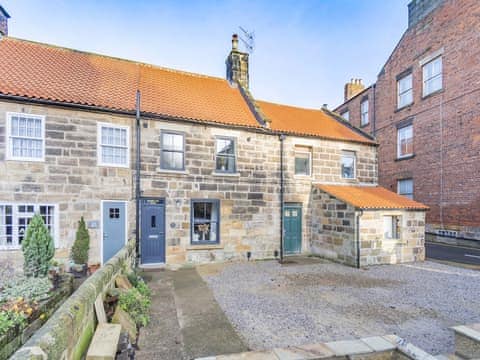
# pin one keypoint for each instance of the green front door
(292, 223)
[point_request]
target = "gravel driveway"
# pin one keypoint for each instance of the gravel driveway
(276, 306)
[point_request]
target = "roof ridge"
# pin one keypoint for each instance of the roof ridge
(135, 62)
(290, 106)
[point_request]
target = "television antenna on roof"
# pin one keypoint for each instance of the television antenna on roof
(248, 39)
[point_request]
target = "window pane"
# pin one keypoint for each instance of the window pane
(346, 115)
(172, 141)
(405, 187)
(172, 160)
(348, 165)
(405, 141)
(205, 221)
(387, 227)
(225, 163)
(302, 164)
(432, 76)
(225, 146)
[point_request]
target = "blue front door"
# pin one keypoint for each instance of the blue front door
(114, 224)
(153, 231)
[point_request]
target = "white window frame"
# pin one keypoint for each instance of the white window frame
(9, 144)
(399, 145)
(348, 153)
(408, 195)
(100, 145)
(36, 210)
(364, 116)
(404, 93)
(439, 75)
(309, 153)
(395, 229)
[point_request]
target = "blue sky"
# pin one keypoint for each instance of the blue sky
(305, 50)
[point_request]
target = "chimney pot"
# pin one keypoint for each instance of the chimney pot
(235, 42)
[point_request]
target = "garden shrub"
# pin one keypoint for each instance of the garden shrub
(143, 288)
(136, 305)
(79, 252)
(34, 289)
(38, 248)
(10, 319)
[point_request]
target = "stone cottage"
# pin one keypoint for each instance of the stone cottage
(192, 165)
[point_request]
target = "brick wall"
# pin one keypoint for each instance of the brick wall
(446, 125)
(353, 108)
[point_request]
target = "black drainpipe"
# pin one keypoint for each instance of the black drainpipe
(282, 138)
(137, 177)
(357, 226)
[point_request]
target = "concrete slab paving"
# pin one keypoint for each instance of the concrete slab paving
(186, 321)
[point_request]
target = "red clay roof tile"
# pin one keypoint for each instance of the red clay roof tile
(371, 197)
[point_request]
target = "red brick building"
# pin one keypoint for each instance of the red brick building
(424, 110)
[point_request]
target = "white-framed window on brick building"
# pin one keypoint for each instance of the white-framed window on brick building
(172, 155)
(346, 115)
(405, 187)
(303, 160)
(113, 145)
(364, 112)
(404, 91)
(348, 163)
(432, 76)
(391, 227)
(14, 219)
(25, 137)
(405, 141)
(205, 221)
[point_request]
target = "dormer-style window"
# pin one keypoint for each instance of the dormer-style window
(432, 76)
(25, 137)
(404, 91)
(364, 112)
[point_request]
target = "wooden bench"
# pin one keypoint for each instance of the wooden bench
(105, 342)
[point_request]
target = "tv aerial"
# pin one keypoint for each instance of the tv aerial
(248, 39)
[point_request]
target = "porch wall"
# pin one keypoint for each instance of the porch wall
(333, 228)
(375, 249)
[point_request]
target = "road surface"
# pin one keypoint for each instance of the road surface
(453, 253)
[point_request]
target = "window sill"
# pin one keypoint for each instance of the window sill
(407, 157)
(404, 107)
(25, 159)
(172, 172)
(364, 125)
(231, 174)
(394, 241)
(302, 177)
(205, 247)
(424, 97)
(114, 166)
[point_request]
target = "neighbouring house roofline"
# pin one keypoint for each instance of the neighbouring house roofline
(354, 97)
(152, 116)
(340, 119)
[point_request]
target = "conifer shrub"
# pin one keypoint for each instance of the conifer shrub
(38, 248)
(81, 245)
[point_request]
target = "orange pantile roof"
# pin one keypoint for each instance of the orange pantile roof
(45, 72)
(371, 197)
(303, 121)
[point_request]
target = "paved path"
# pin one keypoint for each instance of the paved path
(453, 253)
(186, 321)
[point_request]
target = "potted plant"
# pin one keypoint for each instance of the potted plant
(79, 251)
(93, 267)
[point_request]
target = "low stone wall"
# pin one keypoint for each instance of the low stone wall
(67, 334)
(14, 339)
(467, 341)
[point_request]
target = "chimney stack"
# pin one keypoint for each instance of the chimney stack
(237, 65)
(352, 88)
(3, 22)
(419, 9)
